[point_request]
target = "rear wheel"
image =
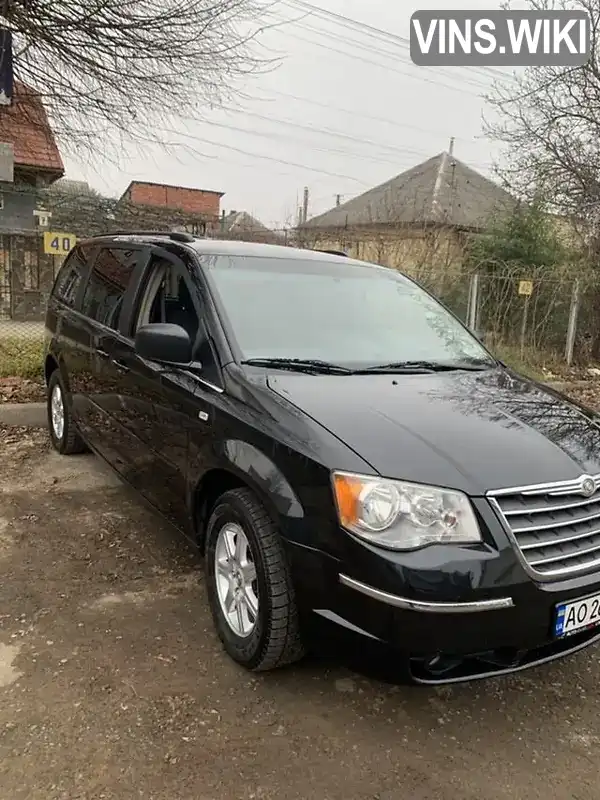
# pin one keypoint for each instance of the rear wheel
(249, 585)
(63, 434)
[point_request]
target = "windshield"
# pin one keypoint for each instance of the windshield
(343, 313)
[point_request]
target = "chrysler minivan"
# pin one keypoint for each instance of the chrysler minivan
(346, 455)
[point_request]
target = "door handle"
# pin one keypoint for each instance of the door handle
(102, 353)
(120, 365)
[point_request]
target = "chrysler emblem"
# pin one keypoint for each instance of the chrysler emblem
(588, 486)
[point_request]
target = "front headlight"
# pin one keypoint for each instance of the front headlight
(403, 516)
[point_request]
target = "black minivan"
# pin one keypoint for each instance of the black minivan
(348, 457)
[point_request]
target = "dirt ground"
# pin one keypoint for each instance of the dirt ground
(22, 390)
(113, 684)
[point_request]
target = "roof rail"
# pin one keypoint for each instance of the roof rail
(333, 252)
(176, 236)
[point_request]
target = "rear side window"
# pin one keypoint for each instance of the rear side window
(71, 274)
(107, 285)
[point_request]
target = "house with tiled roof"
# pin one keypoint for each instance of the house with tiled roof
(420, 218)
(25, 126)
(29, 161)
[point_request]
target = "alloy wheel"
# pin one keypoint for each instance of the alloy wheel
(57, 412)
(236, 581)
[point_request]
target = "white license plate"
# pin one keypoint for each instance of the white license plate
(579, 614)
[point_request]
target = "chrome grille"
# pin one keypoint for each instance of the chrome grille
(556, 527)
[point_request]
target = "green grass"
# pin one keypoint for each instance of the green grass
(21, 356)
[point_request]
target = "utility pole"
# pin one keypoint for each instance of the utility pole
(305, 205)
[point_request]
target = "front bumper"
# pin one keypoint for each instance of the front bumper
(453, 663)
(471, 617)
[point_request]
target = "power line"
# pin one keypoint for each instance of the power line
(327, 132)
(378, 33)
(393, 56)
(362, 115)
(259, 155)
(391, 150)
(327, 46)
(315, 147)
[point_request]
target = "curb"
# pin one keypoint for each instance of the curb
(23, 415)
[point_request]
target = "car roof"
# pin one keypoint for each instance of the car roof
(224, 247)
(230, 247)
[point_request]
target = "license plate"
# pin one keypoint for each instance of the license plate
(576, 615)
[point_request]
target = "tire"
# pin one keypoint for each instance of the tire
(274, 640)
(65, 439)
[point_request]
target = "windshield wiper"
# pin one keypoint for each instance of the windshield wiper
(314, 366)
(417, 367)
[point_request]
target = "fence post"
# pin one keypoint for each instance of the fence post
(524, 325)
(473, 304)
(572, 326)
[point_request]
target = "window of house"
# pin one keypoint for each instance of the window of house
(70, 275)
(108, 282)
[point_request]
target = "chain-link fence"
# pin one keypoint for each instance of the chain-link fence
(26, 278)
(533, 318)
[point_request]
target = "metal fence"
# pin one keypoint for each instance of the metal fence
(538, 320)
(26, 278)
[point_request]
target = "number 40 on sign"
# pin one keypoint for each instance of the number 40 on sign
(58, 244)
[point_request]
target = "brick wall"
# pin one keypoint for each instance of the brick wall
(192, 201)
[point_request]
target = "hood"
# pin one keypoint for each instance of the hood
(473, 431)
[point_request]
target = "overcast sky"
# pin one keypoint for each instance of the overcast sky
(344, 111)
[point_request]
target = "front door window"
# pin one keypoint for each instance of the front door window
(167, 299)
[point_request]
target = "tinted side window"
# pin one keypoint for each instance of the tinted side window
(107, 284)
(71, 274)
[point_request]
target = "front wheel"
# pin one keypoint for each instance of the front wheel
(249, 585)
(63, 434)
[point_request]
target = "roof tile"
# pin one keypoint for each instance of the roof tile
(440, 190)
(25, 125)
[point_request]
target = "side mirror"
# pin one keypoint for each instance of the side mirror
(163, 342)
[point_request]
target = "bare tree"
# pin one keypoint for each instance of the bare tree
(549, 120)
(126, 71)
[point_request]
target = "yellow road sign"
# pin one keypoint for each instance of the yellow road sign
(58, 244)
(526, 287)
